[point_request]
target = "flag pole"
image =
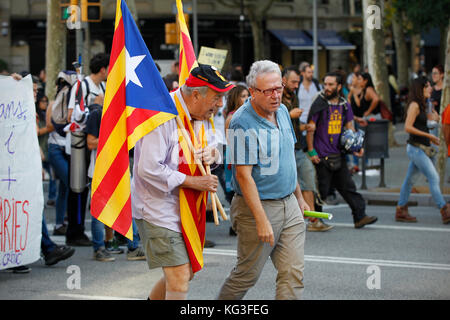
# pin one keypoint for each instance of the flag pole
(203, 172)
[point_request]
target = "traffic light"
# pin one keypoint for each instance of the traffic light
(171, 33)
(91, 10)
(64, 4)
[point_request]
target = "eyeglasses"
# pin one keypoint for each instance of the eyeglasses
(270, 92)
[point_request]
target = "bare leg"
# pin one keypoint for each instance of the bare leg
(177, 281)
(159, 290)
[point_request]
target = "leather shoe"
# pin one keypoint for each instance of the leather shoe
(58, 254)
(366, 220)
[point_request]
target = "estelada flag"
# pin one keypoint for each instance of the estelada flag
(136, 102)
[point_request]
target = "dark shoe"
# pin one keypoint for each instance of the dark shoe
(58, 254)
(20, 269)
(112, 247)
(51, 203)
(80, 241)
(209, 244)
(445, 213)
(364, 221)
(61, 231)
(232, 232)
(402, 214)
(318, 226)
(103, 255)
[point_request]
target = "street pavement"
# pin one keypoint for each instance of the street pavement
(386, 260)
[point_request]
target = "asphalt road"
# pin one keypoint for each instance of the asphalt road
(387, 260)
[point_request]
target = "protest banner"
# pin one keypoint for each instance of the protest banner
(21, 194)
(213, 57)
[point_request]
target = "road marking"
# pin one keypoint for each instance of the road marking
(384, 226)
(345, 260)
(88, 297)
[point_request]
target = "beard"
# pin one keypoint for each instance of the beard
(331, 95)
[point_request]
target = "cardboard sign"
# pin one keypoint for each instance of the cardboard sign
(213, 57)
(21, 193)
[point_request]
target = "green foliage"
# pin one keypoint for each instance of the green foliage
(425, 14)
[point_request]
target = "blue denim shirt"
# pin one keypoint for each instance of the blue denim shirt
(253, 140)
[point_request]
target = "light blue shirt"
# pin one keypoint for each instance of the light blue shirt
(253, 140)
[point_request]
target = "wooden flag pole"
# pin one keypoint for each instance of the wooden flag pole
(214, 195)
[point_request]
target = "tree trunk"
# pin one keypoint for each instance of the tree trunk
(401, 51)
(376, 58)
(55, 54)
(258, 37)
(445, 101)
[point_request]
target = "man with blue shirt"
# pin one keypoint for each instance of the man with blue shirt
(266, 211)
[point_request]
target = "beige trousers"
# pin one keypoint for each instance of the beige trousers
(287, 254)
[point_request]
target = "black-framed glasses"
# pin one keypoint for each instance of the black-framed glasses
(270, 92)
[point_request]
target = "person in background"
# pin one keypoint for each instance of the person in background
(331, 114)
(368, 99)
(437, 75)
(43, 134)
(446, 132)
(235, 99)
(418, 150)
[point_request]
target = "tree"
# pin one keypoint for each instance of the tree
(399, 23)
(55, 48)
(256, 12)
(445, 101)
(424, 16)
(375, 49)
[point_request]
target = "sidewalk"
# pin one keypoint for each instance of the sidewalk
(395, 172)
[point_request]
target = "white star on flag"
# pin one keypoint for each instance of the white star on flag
(131, 65)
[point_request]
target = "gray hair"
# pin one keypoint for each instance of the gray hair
(189, 90)
(302, 67)
(259, 68)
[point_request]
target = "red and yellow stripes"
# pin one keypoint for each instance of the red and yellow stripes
(192, 202)
(121, 127)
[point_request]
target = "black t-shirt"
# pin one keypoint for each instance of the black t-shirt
(436, 97)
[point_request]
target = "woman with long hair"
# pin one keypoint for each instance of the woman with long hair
(368, 98)
(417, 149)
(236, 98)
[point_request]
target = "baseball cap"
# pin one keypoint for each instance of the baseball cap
(206, 75)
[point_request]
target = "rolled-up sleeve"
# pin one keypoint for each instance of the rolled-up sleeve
(158, 161)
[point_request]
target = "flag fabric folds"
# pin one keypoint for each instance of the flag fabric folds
(136, 102)
(192, 202)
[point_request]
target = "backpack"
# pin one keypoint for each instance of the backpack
(60, 110)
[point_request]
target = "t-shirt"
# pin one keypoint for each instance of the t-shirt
(329, 123)
(253, 140)
(446, 120)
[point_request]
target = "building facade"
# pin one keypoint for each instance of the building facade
(23, 31)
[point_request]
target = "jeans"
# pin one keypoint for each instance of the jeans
(420, 162)
(51, 181)
(47, 245)
(60, 164)
(98, 235)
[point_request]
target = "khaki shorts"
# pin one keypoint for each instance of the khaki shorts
(163, 247)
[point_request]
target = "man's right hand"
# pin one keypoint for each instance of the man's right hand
(295, 113)
(202, 183)
(315, 159)
(265, 231)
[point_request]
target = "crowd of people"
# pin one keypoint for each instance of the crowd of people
(308, 117)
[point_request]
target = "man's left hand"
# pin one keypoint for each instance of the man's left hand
(303, 205)
(208, 155)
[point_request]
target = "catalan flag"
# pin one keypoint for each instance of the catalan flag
(192, 202)
(136, 102)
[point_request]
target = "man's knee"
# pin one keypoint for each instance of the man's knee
(177, 278)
